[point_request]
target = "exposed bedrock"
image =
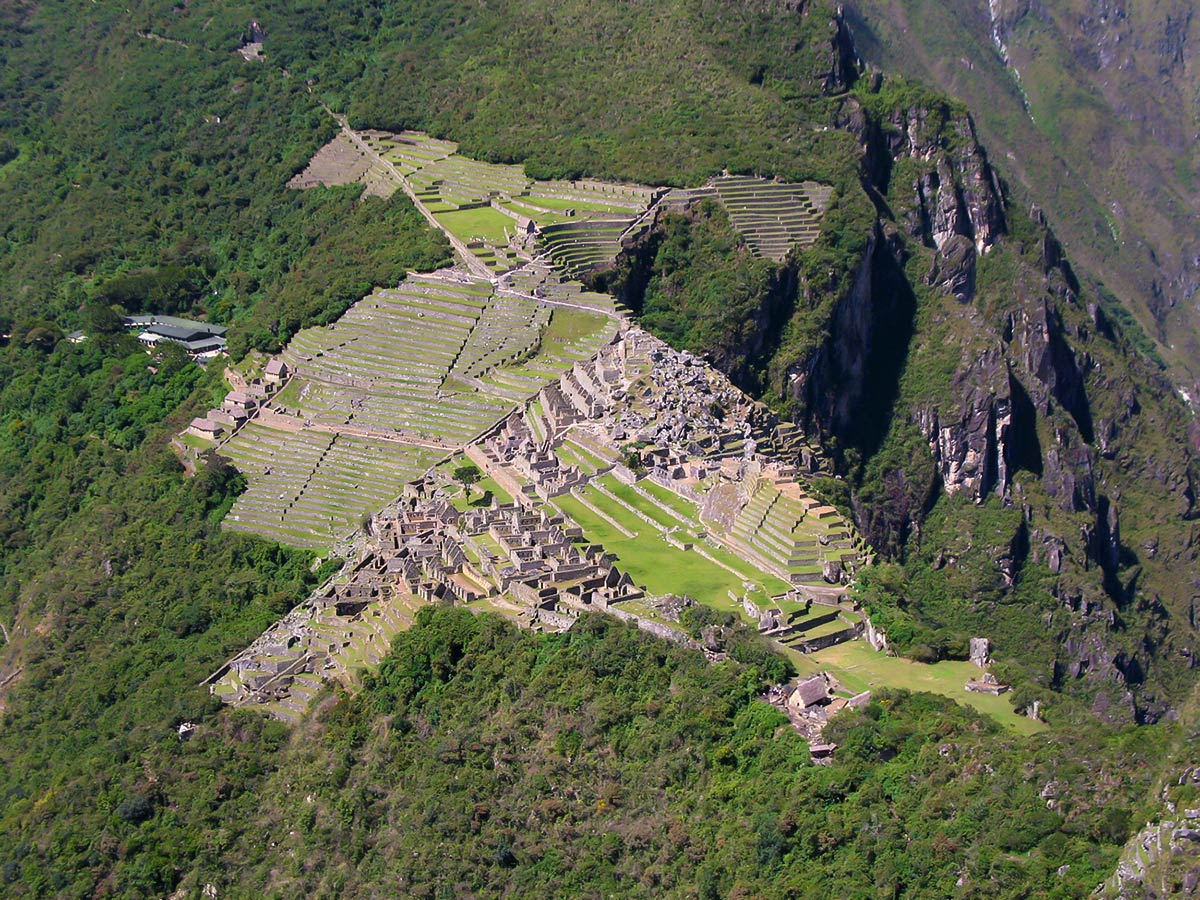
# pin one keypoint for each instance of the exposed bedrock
(956, 191)
(960, 357)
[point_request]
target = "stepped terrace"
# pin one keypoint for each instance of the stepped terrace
(405, 377)
(773, 216)
(792, 534)
(311, 489)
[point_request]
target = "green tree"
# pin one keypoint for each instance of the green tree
(467, 475)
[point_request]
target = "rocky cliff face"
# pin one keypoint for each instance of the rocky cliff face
(1092, 105)
(1162, 859)
(1040, 399)
(959, 363)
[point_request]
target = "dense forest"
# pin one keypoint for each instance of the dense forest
(483, 762)
(143, 165)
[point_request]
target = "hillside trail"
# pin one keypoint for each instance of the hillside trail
(294, 424)
(565, 304)
(468, 259)
(472, 262)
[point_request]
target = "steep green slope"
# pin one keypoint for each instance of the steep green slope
(483, 762)
(152, 173)
(149, 175)
(1094, 111)
(120, 594)
(662, 93)
(1002, 430)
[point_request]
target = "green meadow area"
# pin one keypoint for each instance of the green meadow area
(482, 223)
(651, 561)
(657, 565)
(859, 667)
(662, 568)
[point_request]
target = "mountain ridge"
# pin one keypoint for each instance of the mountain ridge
(1096, 98)
(1014, 441)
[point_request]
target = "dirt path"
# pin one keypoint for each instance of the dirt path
(610, 313)
(469, 259)
(151, 36)
(235, 379)
(273, 419)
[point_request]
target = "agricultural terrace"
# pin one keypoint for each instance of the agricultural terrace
(405, 377)
(311, 489)
(773, 216)
(438, 358)
(409, 151)
(342, 162)
(578, 247)
(348, 645)
(791, 533)
(539, 279)
(489, 207)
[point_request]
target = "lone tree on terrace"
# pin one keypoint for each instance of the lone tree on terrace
(467, 475)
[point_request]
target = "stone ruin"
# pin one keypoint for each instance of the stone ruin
(639, 403)
(637, 408)
(981, 652)
(423, 550)
(981, 655)
(809, 703)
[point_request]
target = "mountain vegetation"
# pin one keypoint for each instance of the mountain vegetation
(484, 762)
(1000, 427)
(1093, 110)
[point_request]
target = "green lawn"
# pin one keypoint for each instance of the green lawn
(481, 495)
(570, 325)
(594, 462)
(859, 668)
(770, 583)
(290, 396)
(832, 626)
(490, 485)
(569, 457)
(640, 503)
(195, 441)
(670, 499)
(487, 604)
(542, 218)
(651, 561)
(716, 595)
(482, 223)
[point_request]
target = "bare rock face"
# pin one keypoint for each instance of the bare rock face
(968, 443)
(954, 268)
(845, 359)
(1068, 472)
(981, 652)
(1041, 345)
(959, 195)
(842, 68)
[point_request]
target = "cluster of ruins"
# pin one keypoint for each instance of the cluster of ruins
(421, 368)
(425, 550)
(809, 703)
(645, 409)
(241, 403)
(637, 409)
